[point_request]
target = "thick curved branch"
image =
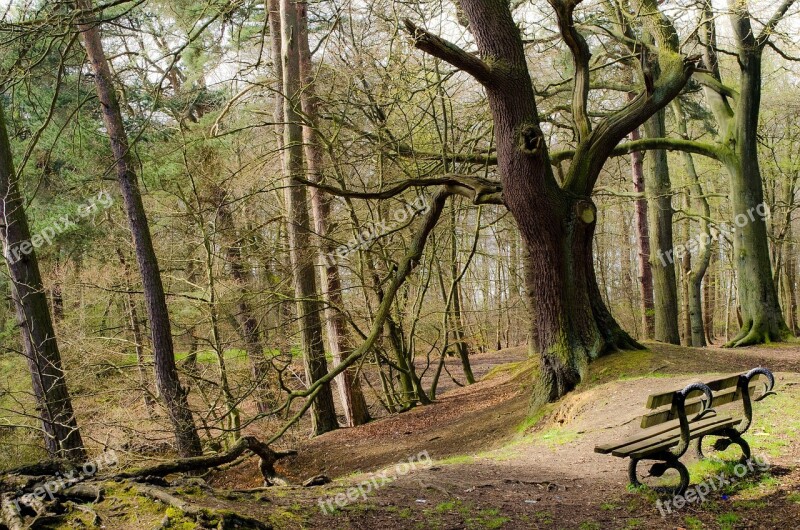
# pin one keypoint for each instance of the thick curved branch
(709, 81)
(675, 70)
(477, 189)
(409, 262)
(449, 52)
(649, 144)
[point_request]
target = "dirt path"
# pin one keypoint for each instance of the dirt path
(501, 479)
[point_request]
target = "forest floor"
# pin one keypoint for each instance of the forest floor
(477, 459)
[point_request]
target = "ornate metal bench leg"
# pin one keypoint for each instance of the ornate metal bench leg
(697, 448)
(657, 470)
(733, 437)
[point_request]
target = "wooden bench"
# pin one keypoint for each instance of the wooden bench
(684, 417)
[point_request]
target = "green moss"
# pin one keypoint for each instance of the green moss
(727, 521)
(489, 519)
(693, 523)
(544, 517)
(456, 460)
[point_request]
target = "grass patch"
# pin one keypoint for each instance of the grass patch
(727, 521)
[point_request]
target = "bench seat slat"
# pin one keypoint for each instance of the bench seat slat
(674, 434)
(666, 444)
(653, 432)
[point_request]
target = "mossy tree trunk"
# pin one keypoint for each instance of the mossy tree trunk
(662, 261)
(557, 222)
(761, 316)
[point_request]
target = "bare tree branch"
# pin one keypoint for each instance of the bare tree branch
(447, 51)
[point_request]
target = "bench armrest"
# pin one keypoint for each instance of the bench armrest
(744, 388)
(679, 402)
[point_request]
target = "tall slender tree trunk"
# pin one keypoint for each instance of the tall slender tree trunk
(697, 270)
(643, 243)
(456, 317)
(136, 332)
(299, 226)
(62, 439)
(350, 394)
(166, 374)
(710, 290)
(790, 266)
(245, 317)
(662, 260)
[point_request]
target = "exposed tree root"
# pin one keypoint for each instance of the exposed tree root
(757, 332)
(205, 517)
(197, 463)
(10, 516)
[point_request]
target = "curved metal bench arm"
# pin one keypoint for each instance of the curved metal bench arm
(747, 402)
(679, 401)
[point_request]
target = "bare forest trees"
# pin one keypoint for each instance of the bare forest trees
(169, 386)
(40, 347)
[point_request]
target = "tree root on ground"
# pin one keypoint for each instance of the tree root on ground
(205, 517)
(197, 463)
(31, 501)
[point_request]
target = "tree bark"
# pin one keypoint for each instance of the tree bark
(662, 261)
(697, 270)
(299, 225)
(643, 243)
(166, 374)
(762, 319)
(557, 223)
(62, 439)
(350, 394)
(245, 316)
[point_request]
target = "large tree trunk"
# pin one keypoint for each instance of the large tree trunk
(352, 398)
(762, 319)
(662, 261)
(62, 439)
(557, 223)
(761, 316)
(643, 243)
(166, 374)
(299, 225)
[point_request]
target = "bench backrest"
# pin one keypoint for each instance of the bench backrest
(725, 390)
